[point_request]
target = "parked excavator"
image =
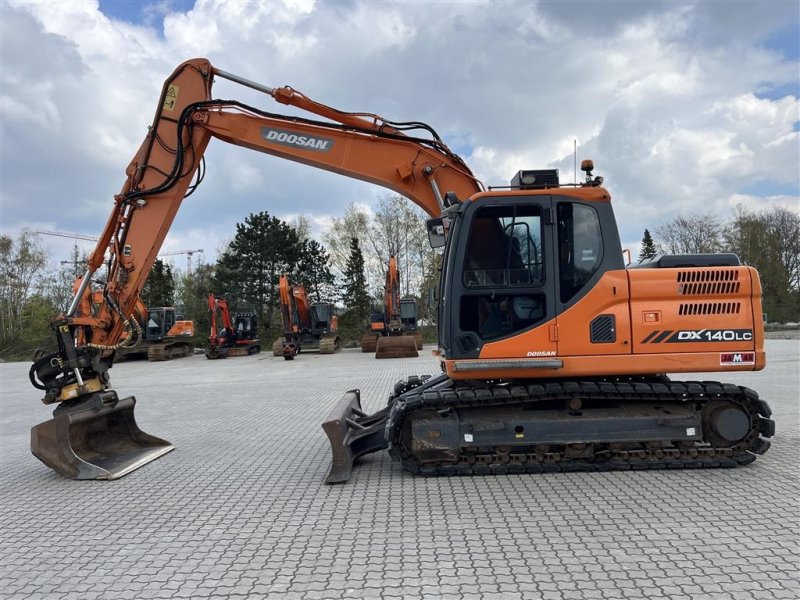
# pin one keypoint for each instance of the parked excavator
(388, 336)
(236, 337)
(165, 335)
(554, 356)
(305, 325)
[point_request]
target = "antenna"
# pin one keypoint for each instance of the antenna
(575, 159)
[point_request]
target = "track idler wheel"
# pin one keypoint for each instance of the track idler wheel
(95, 438)
(725, 423)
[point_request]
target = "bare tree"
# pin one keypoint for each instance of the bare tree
(769, 240)
(354, 224)
(692, 234)
(22, 266)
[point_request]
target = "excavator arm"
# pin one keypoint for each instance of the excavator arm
(169, 165)
(167, 168)
(295, 316)
(391, 303)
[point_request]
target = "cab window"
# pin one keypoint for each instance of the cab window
(580, 247)
(505, 247)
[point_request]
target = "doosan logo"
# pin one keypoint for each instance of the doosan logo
(287, 138)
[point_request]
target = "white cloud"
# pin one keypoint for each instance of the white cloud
(663, 97)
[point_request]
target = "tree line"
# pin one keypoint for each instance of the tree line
(768, 240)
(348, 268)
(349, 272)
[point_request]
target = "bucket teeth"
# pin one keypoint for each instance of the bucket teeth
(97, 438)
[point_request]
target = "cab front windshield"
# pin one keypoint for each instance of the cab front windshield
(407, 310)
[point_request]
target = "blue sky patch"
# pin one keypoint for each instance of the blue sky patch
(769, 188)
(770, 91)
(786, 41)
(141, 13)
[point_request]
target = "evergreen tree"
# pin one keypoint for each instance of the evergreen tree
(648, 248)
(159, 289)
(314, 273)
(356, 296)
(248, 271)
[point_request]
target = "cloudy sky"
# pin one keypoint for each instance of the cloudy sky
(683, 106)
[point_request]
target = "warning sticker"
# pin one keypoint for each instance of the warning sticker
(172, 97)
(729, 359)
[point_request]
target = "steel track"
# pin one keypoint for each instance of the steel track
(534, 458)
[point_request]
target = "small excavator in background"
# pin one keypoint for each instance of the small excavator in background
(390, 334)
(554, 356)
(306, 326)
(237, 337)
(165, 335)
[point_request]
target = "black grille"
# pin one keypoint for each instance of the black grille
(603, 330)
(710, 308)
(699, 282)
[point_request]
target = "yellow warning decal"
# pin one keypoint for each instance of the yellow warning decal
(172, 97)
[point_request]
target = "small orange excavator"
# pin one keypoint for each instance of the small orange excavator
(164, 335)
(305, 325)
(554, 355)
(390, 336)
(238, 337)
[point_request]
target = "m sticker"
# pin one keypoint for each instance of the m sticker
(732, 359)
(288, 138)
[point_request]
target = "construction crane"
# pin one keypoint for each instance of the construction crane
(67, 234)
(188, 254)
(94, 238)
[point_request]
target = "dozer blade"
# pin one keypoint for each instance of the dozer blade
(398, 346)
(95, 439)
(351, 433)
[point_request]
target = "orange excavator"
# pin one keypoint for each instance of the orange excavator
(236, 337)
(389, 335)
(165, 335)
(554, 356)
(305, 325)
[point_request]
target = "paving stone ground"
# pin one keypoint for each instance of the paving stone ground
(239, 510)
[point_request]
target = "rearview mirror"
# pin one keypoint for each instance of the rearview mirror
(436, 232)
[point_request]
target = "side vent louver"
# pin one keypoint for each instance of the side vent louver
(702, 282)
(602, 329)
(710, 308)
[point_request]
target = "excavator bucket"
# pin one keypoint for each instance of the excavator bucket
(95, 439)
(352, 433)
(396, 346)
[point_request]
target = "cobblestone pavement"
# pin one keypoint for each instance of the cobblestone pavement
(239, 509)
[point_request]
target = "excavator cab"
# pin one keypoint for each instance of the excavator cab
(408, 319)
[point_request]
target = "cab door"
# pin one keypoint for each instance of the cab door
(504, 285)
